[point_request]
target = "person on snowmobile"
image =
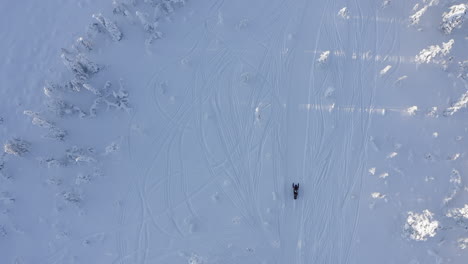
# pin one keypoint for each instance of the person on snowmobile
(295, 190)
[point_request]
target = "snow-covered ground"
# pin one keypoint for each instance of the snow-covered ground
(170, 131)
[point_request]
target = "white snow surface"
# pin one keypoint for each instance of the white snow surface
(171, 131)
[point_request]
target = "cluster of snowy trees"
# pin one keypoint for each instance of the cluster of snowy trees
(82, 95)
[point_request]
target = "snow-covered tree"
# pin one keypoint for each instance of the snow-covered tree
(62, 108)
(463, 70)
(460, 215)
(82, 45)
(149, 27)
(79, 65)
(121, 9)
(459, 104)
(17, 147)
(324, 57)
(436, 54)
(119, 100)
(53, 90)
(54, 132)
(343, 13)
(3, 232)
(76, 155)
(93, 29)
(420, 226)
(454, 18)
(416, 17)
(109, 26)
(455, 180)
(72, 196)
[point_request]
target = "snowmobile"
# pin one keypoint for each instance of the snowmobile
(295, 190)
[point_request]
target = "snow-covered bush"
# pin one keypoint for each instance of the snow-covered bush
(454, 18)
(416, 17)
(3, 232)
(76, 155)
(121, 9)
(119, 100)
(112, 148)
(149, 27)
(54, 132)
(343, 13)
(17, 147)
(52, 89)
(81, 67)
(460, 215)
(109, 26)
(419, 12)
(3, 174)
(436, 54)
(460, 103)
(455, 180)
(111, 99)
(82, 45)
(463, 70)
(324, 57)
(73, 156)
(93, 29)
(6, 198)
(420, 226)
(62, 108)
(463, 243)
(72, 196)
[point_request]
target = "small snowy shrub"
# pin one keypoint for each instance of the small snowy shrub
(62, 108)
(460, 103)
(17, 147)
(148, 27)
(324, 57)
(463, 70)
(454, 18)
(73, 196)
(82, 45)
(3, 232)
(343, 13)
(109, 26)
(463, 243)
(455, 180)
(76, 155)
(460, 215)
(420, 226)
(120, 9)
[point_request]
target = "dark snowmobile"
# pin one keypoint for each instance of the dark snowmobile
(295, 190)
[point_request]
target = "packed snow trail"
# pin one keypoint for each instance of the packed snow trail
(241, 106)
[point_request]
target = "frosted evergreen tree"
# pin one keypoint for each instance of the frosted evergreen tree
(62, 108)
(149, 27)
(82, 45)
(454, 18)
(436, 54)
(17, 147)
(121, 9)
(420, 227)
(54, 132)
(79, 65)
(463, 70)
(109, 26)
